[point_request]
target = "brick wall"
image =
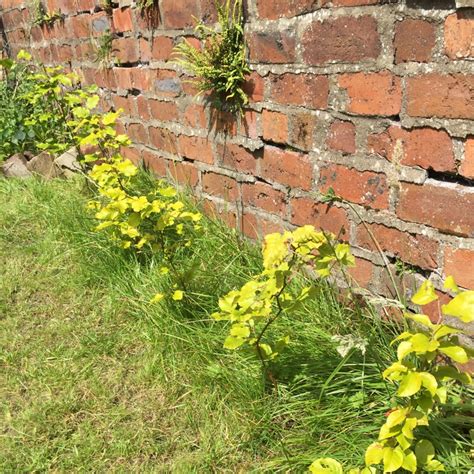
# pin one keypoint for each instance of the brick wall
(373, 98)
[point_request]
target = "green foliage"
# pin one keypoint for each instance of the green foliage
(145, 4)
(423, 385)
(103, 49)
(220, 66)
(41, 16)
(254, 307)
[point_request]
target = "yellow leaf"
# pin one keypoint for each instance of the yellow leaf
(396, 417)
(410, 384)
(275, 249)
(450, 284)
(374, 454)
(461, 307)
(409, 462)
(157, 298)
(392, 459)
(425, 295)
(326, 466)
(404, 349)
(457, 353)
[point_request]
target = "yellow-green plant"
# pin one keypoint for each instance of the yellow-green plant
(425, 370)
(220, 66)
(259, 302)
(41, 16)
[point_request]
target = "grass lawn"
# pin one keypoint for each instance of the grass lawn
(95, 378)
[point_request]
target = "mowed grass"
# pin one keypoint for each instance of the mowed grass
(95, 378)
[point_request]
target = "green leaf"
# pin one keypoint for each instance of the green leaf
(424, 451)
(425, 295)
(240, 330)
(456, 353)
(232, 342)
(410, 384)
(374, 454)
(461, 307)
(392, 459)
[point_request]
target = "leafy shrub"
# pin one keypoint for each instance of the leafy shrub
(424, 372)
(220, 66)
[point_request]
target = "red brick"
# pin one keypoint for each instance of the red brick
(272, 10)
(223, 121)
(342, 137)
(125, 50)
(155, 162)
(195, 148)
(249, 225)
(125, 103)
(142, 108)
(99, 23)
(105, 78)
(307, 90)
(249, 124)
(141, 78)
(144, 46)
(219, 185)
(148, 18)
(237, 157)
(179, 14)
(264, 197)
(341, 40)
(444, 206)
(436, 95)
(330, 218)
(269, 227)
(122, 19)
(372, 93)
(167, 83)
(460, 264)
(458, 35)
(414, 40)
(165, 111)
(467, 166)
(123, 77)
(354, 3)
(302, 131)
(287, 167)
(137, 133)
(195, 116)
(184, 173)
(131, 153)
(85, 5)
(163, 139)
(272, 47)
(162, 48)
(80, 26)
(362, 187)
(254, 87)
(424, 147)
(363, 272)
(415, 249)
(275, 126)
(227, 217)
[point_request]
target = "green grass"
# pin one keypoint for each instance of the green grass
(93, 377)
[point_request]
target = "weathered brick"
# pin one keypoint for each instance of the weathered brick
(165, 111)
(237, 158)
(330, 218)
(443, 206)
(362, 187)
(220, 185)
(308, 90)
(275, 126)
(303, 126)
(125, 50)
(137, 133)
(227, 217)
(184, 173)
(467, 166)
(363, 272)
(195, 148)
(372, 93)
(437, 95)
(424, 147)
(80, 25)
(249, 224)
(122, 19)
(460, 264)
(144, 48)
(142, 108)
(249, 124)
(167, 83)
(415, 249)
(414, 40)
(125, 103)
(195, 116)
(286, 167)
(141, 78)
(341, 40)
(354, 3)
(276, 47)
(99, 24)
(284, 8)
(163, 139)
(254, 87)
(123, 77)
(148, 18)
(458, 35)
(179, 14)
(162, 48)
(155, 162)
(342, 137)
(263, 196)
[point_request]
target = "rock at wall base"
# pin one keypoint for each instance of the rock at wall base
(16, 167)
(43, 164)
(68, 163)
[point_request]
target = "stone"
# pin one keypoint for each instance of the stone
(67, 163)
(43, 164)
(15, 167)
